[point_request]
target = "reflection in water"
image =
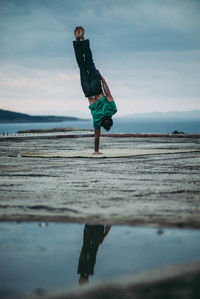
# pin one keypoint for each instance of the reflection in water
(43, 224)
(35, 258)
(92, 238)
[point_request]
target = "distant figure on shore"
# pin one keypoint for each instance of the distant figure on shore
(92, 238)
(94, 86)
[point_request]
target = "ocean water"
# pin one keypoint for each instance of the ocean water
(119, 126)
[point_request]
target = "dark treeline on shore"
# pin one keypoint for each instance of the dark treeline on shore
(10, 116)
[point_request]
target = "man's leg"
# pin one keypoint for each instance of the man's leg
(90, 78)
(84, 77)
(87, 53)
(94, 77)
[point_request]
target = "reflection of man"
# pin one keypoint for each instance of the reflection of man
(93, 237)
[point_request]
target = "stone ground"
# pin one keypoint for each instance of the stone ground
(161, 190)
(177, 282)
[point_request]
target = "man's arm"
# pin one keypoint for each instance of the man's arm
(106, 89)
(107, 229)
(97, 133)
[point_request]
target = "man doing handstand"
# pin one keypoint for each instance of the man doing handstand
(101, 102)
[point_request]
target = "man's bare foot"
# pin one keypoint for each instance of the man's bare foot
(81, 31)
(76, 33)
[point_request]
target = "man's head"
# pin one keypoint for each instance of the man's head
(107, 122)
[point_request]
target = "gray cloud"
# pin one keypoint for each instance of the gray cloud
(45, 28)
(147, 49)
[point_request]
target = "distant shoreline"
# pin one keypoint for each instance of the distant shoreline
(15, 117)
(54, 130)
(42, 121)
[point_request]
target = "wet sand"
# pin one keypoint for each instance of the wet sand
(160, 189)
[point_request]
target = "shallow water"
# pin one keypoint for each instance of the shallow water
(37, 258)
(120, 126)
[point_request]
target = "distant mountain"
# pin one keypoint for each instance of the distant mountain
(15, 117)
(172, 115)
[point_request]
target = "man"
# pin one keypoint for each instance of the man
(101, 102)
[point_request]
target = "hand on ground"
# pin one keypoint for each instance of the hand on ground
(97, 153)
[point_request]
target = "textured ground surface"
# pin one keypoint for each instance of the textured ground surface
(160, 189)
(107, 153)
(180, 282)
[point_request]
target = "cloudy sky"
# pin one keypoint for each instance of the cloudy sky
(148, 50)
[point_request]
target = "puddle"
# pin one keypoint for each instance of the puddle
(37, 258)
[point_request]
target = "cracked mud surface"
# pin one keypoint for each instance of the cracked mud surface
(162, 190)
